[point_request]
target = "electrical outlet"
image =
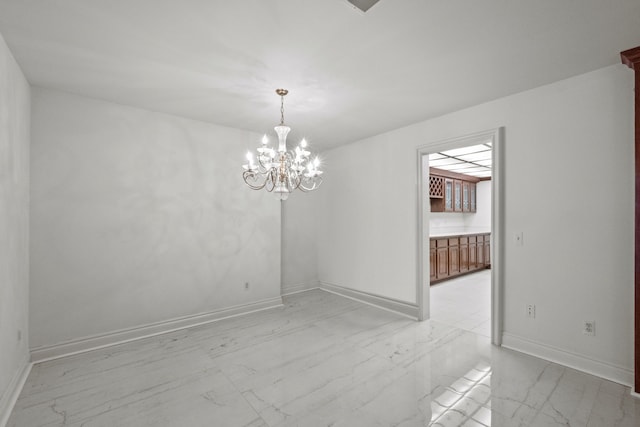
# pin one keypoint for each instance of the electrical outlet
(531, 311)
(589, 327)
(246, 286)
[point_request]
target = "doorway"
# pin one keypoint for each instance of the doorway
(495, 139)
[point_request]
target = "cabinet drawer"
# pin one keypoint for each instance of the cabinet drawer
(464, 240)
(480, 238)
(472, 239)
(432, 244)
(453, 242)
(442, 243)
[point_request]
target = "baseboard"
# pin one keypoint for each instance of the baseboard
(634, 394)
(401, 307)
(82, 345)
(296, 289)
(598, 368)
(10, 396)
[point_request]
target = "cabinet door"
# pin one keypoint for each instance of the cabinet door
(464, 254)
(472, 197)
(454, 257)
(433, 265)
(457, 195)
(473, 253)
(480, 246)
(442, 261)
(487, 250)
(448, 195)
(466, 205)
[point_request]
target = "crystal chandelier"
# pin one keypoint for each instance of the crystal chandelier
(283, 171)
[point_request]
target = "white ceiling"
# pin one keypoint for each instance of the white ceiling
(350, 74)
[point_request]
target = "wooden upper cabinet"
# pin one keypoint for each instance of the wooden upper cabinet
(466, 196)
(452, 192)
(436, 187)
(448, 195)
(472, 197)
(457, 195)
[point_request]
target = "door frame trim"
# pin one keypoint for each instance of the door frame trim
(631, 58)
(497, 138)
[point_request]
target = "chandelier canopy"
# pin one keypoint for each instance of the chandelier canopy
(282, 171)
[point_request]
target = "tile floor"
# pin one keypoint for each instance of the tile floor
(464, 302)
(322, 360)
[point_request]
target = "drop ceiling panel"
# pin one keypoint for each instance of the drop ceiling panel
(474, 160)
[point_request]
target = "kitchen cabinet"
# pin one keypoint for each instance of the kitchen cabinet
(480, 252)
(457, 195)
(433, 265)
(464, 254)
(472, 197)
(448, 195)
(442, 258)
(452, 192)
(452, 256)
(473, 252)
(487, 250)
(466, 202)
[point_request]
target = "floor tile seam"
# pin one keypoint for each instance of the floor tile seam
(367, 341)
(237, 389)
(310, 354)
(433, 346)
(252, 342)
(539, 407)
(85, 418)
(177, 382)
(334, 396)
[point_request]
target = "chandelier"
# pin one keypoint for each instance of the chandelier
(282, 171)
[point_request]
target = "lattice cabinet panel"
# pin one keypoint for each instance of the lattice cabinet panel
(436, 187)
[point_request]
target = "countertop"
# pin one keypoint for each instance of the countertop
(462, 232)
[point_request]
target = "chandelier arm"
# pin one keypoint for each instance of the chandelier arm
(271, 178)
(248, 174)
(316, 183)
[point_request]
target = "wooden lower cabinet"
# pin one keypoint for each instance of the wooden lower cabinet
(464, 254)
(473, 253)
(442, 258)
(452, 256)
(433, 265)
(487, 250)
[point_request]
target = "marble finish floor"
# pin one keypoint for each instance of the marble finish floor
(322, 360)
(464, 302)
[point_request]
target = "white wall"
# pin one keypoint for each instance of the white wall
(14, 223)
(568, 188)
(140, 217)
(299, 248)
